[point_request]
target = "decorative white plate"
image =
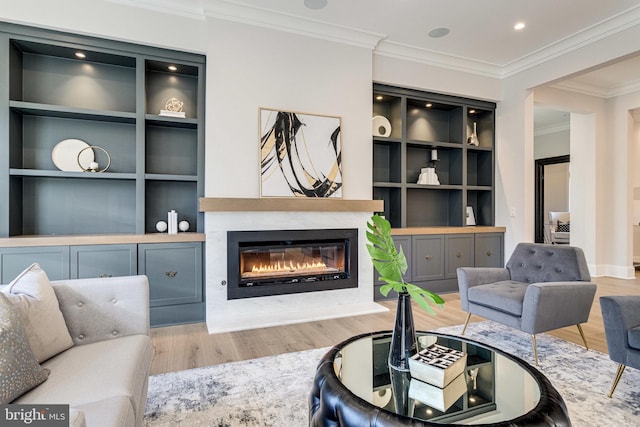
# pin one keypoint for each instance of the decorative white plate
(381, 126)
(65, 155)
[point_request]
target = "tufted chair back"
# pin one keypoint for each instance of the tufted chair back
(536, 262)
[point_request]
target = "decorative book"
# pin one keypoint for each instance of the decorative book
(437, 365)
(436, 397)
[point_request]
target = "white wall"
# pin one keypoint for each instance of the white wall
(607, 252)
(109, 20)
(428, 77)
(551, 144)
(251, 67)
(621, 172)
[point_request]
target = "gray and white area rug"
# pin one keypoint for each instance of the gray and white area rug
(273, 391)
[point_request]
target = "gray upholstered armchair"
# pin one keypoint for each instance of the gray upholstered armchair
(542, 288)
(621, 316)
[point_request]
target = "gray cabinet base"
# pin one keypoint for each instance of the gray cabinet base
(177, 314)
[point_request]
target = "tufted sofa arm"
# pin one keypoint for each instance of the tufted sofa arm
(104, 308)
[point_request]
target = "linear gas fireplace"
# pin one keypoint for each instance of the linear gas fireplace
(276, 262)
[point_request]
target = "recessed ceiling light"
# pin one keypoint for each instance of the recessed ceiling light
(428, 105)
(472, 111)
(80, 55)
(172, 68)
(519, 26)
(315, 4)
(436, 33)
(379, 97)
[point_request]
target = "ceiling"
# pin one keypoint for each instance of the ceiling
(481, 33)
(481, 36)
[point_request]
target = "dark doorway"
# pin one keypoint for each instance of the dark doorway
(539, 190)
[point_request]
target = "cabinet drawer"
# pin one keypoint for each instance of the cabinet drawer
(174, 271)
(489, 250)
(103, 261)
(54, 260)
(428, 257)
(459, 249)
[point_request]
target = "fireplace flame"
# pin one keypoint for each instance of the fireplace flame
(288, 267)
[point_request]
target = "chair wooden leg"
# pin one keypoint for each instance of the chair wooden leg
(617, 378)
(535, 348)
(466, 322)
(584, 340)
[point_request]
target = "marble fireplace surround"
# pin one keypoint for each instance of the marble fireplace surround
(224, 214)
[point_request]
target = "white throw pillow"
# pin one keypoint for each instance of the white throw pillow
(32, 294)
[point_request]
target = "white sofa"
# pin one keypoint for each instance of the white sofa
(104, 375)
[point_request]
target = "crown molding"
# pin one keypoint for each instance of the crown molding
(186, 8)
(607, 28)
(430, 57)
(593, 90)
(582, 88)
(546, 130)
(261, 17)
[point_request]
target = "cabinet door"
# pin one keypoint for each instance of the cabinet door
(428, 257)
(103, 261)
(459, 253)
(54, 260)
(174, 271)
(489, 250)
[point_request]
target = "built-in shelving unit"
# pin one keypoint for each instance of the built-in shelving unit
(56, 87)
(421, 122)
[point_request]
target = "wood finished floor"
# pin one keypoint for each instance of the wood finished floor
(191, 346)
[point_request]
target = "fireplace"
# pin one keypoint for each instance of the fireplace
(277, 262)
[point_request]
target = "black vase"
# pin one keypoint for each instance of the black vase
(403, 341)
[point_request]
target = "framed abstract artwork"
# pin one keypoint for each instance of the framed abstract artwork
(300, 155)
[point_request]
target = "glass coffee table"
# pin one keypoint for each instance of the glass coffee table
(354, 386)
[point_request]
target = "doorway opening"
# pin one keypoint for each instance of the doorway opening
(551, 192)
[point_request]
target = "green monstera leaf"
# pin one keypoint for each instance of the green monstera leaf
(391, 265)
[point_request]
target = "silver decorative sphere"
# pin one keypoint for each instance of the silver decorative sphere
(183, 225)
(161, 226)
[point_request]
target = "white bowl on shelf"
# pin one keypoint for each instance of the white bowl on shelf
(381, 126)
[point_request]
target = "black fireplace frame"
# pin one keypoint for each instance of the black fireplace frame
(235, 238)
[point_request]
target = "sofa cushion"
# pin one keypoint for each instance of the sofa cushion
(32, 294)
(506, 296)
(633, 335)
(19, 369)
(95, 372)
(112, 411)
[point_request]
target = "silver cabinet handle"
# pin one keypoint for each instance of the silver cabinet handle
(171, 274)
(428, 257)
(459, 255)
(488, 253)
(103, 275)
